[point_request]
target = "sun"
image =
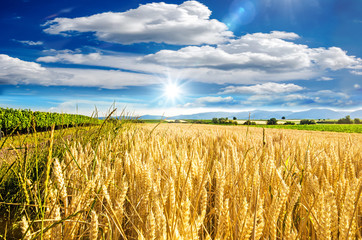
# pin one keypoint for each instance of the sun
(172, 90)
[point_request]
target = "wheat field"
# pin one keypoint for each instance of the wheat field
(180, 181)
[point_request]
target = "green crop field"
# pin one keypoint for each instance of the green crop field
(348, 128)
(23, 120)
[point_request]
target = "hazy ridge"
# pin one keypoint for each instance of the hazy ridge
(260, 114)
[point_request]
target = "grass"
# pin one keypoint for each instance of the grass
(183, 181)
(17, 140)
(347, 128)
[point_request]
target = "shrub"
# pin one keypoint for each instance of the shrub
(357, 121)
(289, 123)
(248, 122)
(224, 121)
(346, 120)
(307, 122)
(272, 121)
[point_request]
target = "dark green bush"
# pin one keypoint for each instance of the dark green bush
(307, 122)
(272, 121)
(346, 120)
(248, 122)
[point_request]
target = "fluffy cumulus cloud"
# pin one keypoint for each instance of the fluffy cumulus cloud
(209, 101)
(186, 24)
(136, 63)
(273, 52)
(16, 71)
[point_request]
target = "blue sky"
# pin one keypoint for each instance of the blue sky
(179, 57)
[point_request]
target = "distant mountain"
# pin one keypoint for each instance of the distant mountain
(356, 114)
(153, 117)
(207, 115)
(259, 114)
(239, 115)
(269, 114)
(317, 114)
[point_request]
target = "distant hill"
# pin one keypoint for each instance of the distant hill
(317, 114)
(153, 117)
(259, 114)
(356, 114)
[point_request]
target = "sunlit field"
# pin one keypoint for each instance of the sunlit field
(183, 181)
(348, 128)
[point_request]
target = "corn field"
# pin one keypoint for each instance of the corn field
(182, 181)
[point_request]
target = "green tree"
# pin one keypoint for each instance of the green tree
(306, 122)
(272, 121)
(346, 120)
(248, 122)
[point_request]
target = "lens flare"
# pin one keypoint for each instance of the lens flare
(241, 13)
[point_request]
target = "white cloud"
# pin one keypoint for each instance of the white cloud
(357, 86)
(15, 71)
(202, 74)
(325, 79)
(318, 98)
(253, 58)
(71, 57)
(333, 58)
(266, 88)
(356, 72)
(214, 99)
(111, 79)
(204, 101)
(30, 43)
(186, 24)
(259, 52)
(112, 60)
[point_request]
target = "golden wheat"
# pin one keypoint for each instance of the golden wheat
(208, 182)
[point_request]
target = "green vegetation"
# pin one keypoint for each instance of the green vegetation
(346, 120)
(26, 170)
(248, 122)
(272, 121)
(348, 128)
(24, 121)
(225, 121)
(199, 121)
(307, 122)
(153, 120)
